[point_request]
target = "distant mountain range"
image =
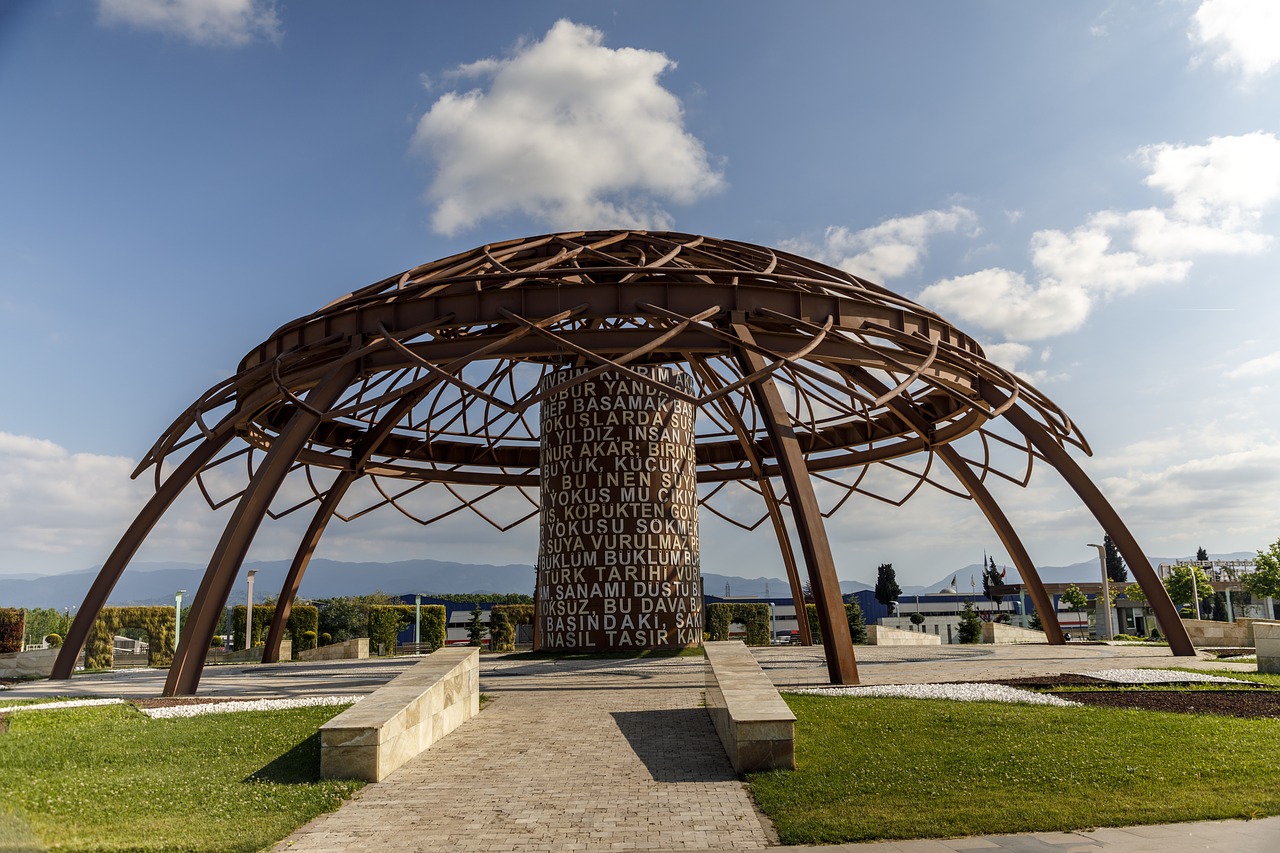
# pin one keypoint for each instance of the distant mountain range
(156, 583)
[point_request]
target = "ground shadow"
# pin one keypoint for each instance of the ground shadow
(298, 766)
(676, 745)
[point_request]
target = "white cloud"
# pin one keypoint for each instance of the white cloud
(1003, 300)
(1218, 192)
(1239, 35)
(891, 249)
(569, 132)
(217, 23)
(1261, 366)
(1008, 354)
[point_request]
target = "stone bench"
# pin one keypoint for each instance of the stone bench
(883, 635)
(755, 725)
(1266, 642)
(254, 655)
(403, 717)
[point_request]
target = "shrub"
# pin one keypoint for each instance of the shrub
(12, 622)
(158, 622)
(215, 642)
(503, 621)
(970, 624)
(54, 640)
(308, 641)
(385, 622)
(326, 638)
(302, 618)
(852, 612)
(753, 617)
(917, 618)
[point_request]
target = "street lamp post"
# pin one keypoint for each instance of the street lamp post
(248, 614)
(417, 623)
(177, 616)
(1104, 626)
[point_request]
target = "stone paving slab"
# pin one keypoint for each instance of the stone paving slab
(592, 756)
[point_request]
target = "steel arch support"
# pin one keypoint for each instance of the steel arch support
(1157, 596)
(772, 506)
(1009, 537)
(129, 543)
(982, 497)
(837, 642)
(302, 559)
(188, 660)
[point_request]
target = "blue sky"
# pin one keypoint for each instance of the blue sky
(1092, 189)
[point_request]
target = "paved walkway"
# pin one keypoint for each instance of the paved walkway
(619, 755)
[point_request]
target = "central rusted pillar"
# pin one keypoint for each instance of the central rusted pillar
(618, 556)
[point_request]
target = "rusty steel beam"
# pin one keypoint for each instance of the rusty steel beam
(982, 497)
(215, 587)
(774, 509)
(109, 574)
(837, 643)
(1157, 596)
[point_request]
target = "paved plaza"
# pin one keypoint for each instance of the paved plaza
(619, 755)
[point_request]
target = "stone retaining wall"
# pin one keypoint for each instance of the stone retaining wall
(883, 635)
(755, 725)
(357, 649)
(38, 662)
(998, 632)
(403, 717)
(254, 655)
(1266, 640)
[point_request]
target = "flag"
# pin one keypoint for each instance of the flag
(1003, 572)
(953, 581)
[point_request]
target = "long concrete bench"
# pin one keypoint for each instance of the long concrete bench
(403, 717)
(354, 649)
(755, 725)
(998, 632)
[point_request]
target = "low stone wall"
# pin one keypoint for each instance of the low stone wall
(357, 649)
(999, 633)
(1206, 632)
(1266, 641)
(755, 725)
(883, 635)
(254, 655)
(403, 717)
(37, 662)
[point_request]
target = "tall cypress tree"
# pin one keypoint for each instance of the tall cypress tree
(887, 589)
(1117, 572)
(990, 579)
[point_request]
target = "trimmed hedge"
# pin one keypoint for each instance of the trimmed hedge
(753, 617)
(503, 621)
(158, 622)
(385, 622)
(302, 618)
(852, 612)
(12, 624)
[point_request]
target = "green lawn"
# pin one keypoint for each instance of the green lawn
(902, 768)
(111, 778)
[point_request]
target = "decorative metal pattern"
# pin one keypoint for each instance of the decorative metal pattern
(429, 381)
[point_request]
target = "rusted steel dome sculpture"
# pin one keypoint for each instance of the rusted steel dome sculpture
(803, 376)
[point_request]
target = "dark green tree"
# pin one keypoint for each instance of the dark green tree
(1117, 572)
(1264, 580)
(1179, 585)
(342, 619)
(991, 579)
(970, 624)
(1219, 613)
(887, 589)
(857, 622)
(1202, 555)
(1074, 598)
(476, 628)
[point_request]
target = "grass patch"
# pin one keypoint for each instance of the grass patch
(902, 768)
(111, 778)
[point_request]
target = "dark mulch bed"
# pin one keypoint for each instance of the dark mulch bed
(170, 701)
(1232, 702)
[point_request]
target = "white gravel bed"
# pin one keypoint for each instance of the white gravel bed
(1154, 676)
(956, 692)
(196, 710)
(71, 703)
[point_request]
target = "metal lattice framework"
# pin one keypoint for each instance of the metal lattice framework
(809, 383)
